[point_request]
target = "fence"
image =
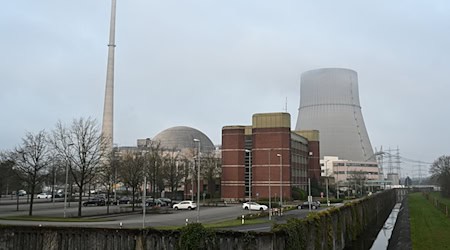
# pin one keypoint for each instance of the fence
(441, 206)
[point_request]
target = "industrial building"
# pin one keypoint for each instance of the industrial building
(267, 159)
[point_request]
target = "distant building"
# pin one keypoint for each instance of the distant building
(267, 154)
(345, 172)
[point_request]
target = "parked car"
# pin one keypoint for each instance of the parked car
(155, 202)
(59, 195)
(44, 196)
(305, 205)
(167, 201)
(124, 200)
(254, 206)
(190, 205)
(19, 193)
(98, 201)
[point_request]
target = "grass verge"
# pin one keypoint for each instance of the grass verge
(221, 224)
(430, 229)
(438, 196)
(51, 219)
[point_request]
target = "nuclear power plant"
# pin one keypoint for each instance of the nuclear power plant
(329, 102)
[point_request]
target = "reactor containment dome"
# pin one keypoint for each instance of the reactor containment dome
(182, 137)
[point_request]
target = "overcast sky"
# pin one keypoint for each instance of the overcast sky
(207, 64)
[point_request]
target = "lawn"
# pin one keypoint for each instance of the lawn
(430, 229)
(222, 224)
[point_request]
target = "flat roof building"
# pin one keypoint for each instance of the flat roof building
(267, 158)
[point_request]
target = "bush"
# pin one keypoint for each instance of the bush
(196, 236)
(298, 194)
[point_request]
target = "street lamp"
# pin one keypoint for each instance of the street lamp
(326, 176)
(67, 180)
(270, 192)
(249, 175)
(281, 182)
(144, 194)
(198, 180)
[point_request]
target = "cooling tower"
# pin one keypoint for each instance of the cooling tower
(329, 102)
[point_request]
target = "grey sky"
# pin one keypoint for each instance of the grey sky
(207, 64)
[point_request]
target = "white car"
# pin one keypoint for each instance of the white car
(254, 206)
(190, 205)
(44, 196)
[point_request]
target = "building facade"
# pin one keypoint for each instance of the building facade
(265, 159)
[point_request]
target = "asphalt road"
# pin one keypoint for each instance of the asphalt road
(135, 220)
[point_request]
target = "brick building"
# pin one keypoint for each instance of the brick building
(268, 155)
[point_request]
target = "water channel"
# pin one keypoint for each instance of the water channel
(377, 237)
(382, 240)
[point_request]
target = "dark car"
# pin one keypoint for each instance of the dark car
(123, 200)
(155, 202)
(167, 201)
(305, 205)
(97, 201)
(59, 195)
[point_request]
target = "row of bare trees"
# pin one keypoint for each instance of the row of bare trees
(164, 169)
(77, 147)
(77, 150)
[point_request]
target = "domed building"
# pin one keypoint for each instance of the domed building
(182, 138)
(177, 148)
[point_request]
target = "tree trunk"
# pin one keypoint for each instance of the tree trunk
(80, 200)
(30, 213)
(132, 193)
(107, 200)
(53, 186)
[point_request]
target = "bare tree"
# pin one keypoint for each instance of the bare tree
(131, 169)
(189, 172)
(358, 178)
(31, 160)
(8, 179)
(108, 175)
(173, 171)
(440, 170)
(81, 145)
(211, 171)
(154, 166)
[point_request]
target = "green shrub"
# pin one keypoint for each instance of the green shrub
(298, 194)
(195, 236)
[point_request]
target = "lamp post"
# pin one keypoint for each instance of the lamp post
(309, 194)
(67, 180)
(198, 180)
(326, 180)
(270, 193)
(249, 175)
(143, 200)
(281, 183)
(337, 181)
(115, 148)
